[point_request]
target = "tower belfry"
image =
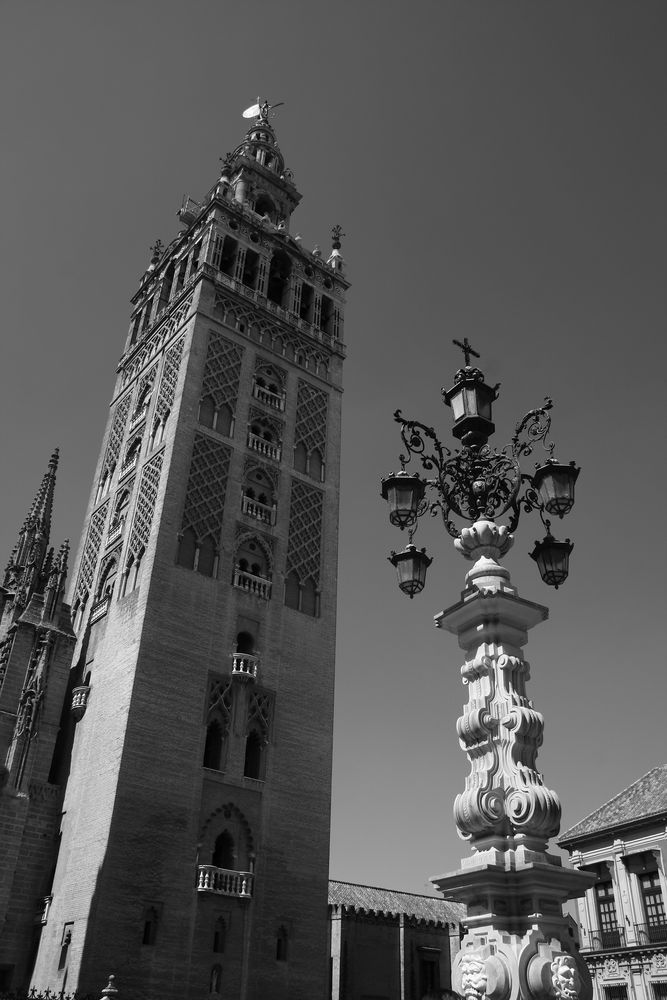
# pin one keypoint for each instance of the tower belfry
(195, 835)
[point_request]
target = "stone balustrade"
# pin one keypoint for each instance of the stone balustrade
(225, 882)
(260, 511)
(264, 395)
(79, 701)
(257, 585)
(245, 665)
(267, 448)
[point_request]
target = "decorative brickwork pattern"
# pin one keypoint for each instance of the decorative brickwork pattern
(221, 699)
(172, 364)
(91, 551)
(222, 371)
(207, 482)
(274, 335)
(156, 341)
(305, 532)
(143, 515)
(116, 433)
(260, 710)
(311, 418)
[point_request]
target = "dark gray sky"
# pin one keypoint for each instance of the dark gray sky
(499, 169)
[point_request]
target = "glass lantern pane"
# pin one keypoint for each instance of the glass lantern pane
(457, 406)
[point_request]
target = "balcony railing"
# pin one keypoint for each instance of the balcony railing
(651, 933)
(115, 531)
(80, 701)
(43, 913)
(260, 511)
(264, 395)
(99, 609)
(601, 940)
(138, 418)
(268, 448)
(245, 665)
(129, 463)
(257, 585)
(225, 882)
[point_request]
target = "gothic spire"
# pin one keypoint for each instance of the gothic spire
(24, 570)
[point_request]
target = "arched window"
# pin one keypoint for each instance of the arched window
(151, 918)
(165, 287)
(219, 935)
(207, 411)
(245, 643)
(223, 852)
(107, 580)
(316, 466)
(264, 206)
(213, 746)
(187, 549)
(280, 269)
(120, 511)
(254, 747)
(300, 457)
(292, 590)
(214, 985)
(281, 945)
(224, 423)
(132, 453)
(207, 557)
(309, 598)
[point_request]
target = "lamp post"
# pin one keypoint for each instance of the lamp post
(517, 943)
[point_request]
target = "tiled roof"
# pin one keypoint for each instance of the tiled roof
(642, 799)
(369, 898)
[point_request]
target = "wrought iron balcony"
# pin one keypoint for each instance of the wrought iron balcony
(79, 701)
(603, 940)
(264, 395)
(268, 448)
(260, 586)
(245, 666)
(225, 882)
(655, 933)
(260, 511)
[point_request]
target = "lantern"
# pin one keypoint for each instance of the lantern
(411, 565)
(555, 484)
(404, 493)
(552, 558)
(470, 399)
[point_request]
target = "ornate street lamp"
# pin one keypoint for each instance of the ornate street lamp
(517, 944)
(476, 482)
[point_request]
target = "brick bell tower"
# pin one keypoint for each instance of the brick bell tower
(195, 831)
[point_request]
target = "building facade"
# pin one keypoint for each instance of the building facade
(388, 945)
(191, 773)
(623, 921)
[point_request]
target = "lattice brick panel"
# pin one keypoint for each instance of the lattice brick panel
(311, 418)
(221, 699)
(207, 482)
(260, 710)
(143, 515)
(222, 371)
(305, 532)
(116, 433)
(91, 550)
(172, 364)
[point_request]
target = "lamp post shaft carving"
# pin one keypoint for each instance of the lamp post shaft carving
(517, 942)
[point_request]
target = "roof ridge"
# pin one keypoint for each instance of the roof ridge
(379, 888)
(609, 801)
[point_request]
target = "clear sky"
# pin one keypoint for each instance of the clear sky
(500, 172)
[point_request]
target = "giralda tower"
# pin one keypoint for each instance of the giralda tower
(195, 835)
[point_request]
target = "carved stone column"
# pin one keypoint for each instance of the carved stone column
(517, 942)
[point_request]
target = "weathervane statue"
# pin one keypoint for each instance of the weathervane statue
(262, 110)
(517, 942)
